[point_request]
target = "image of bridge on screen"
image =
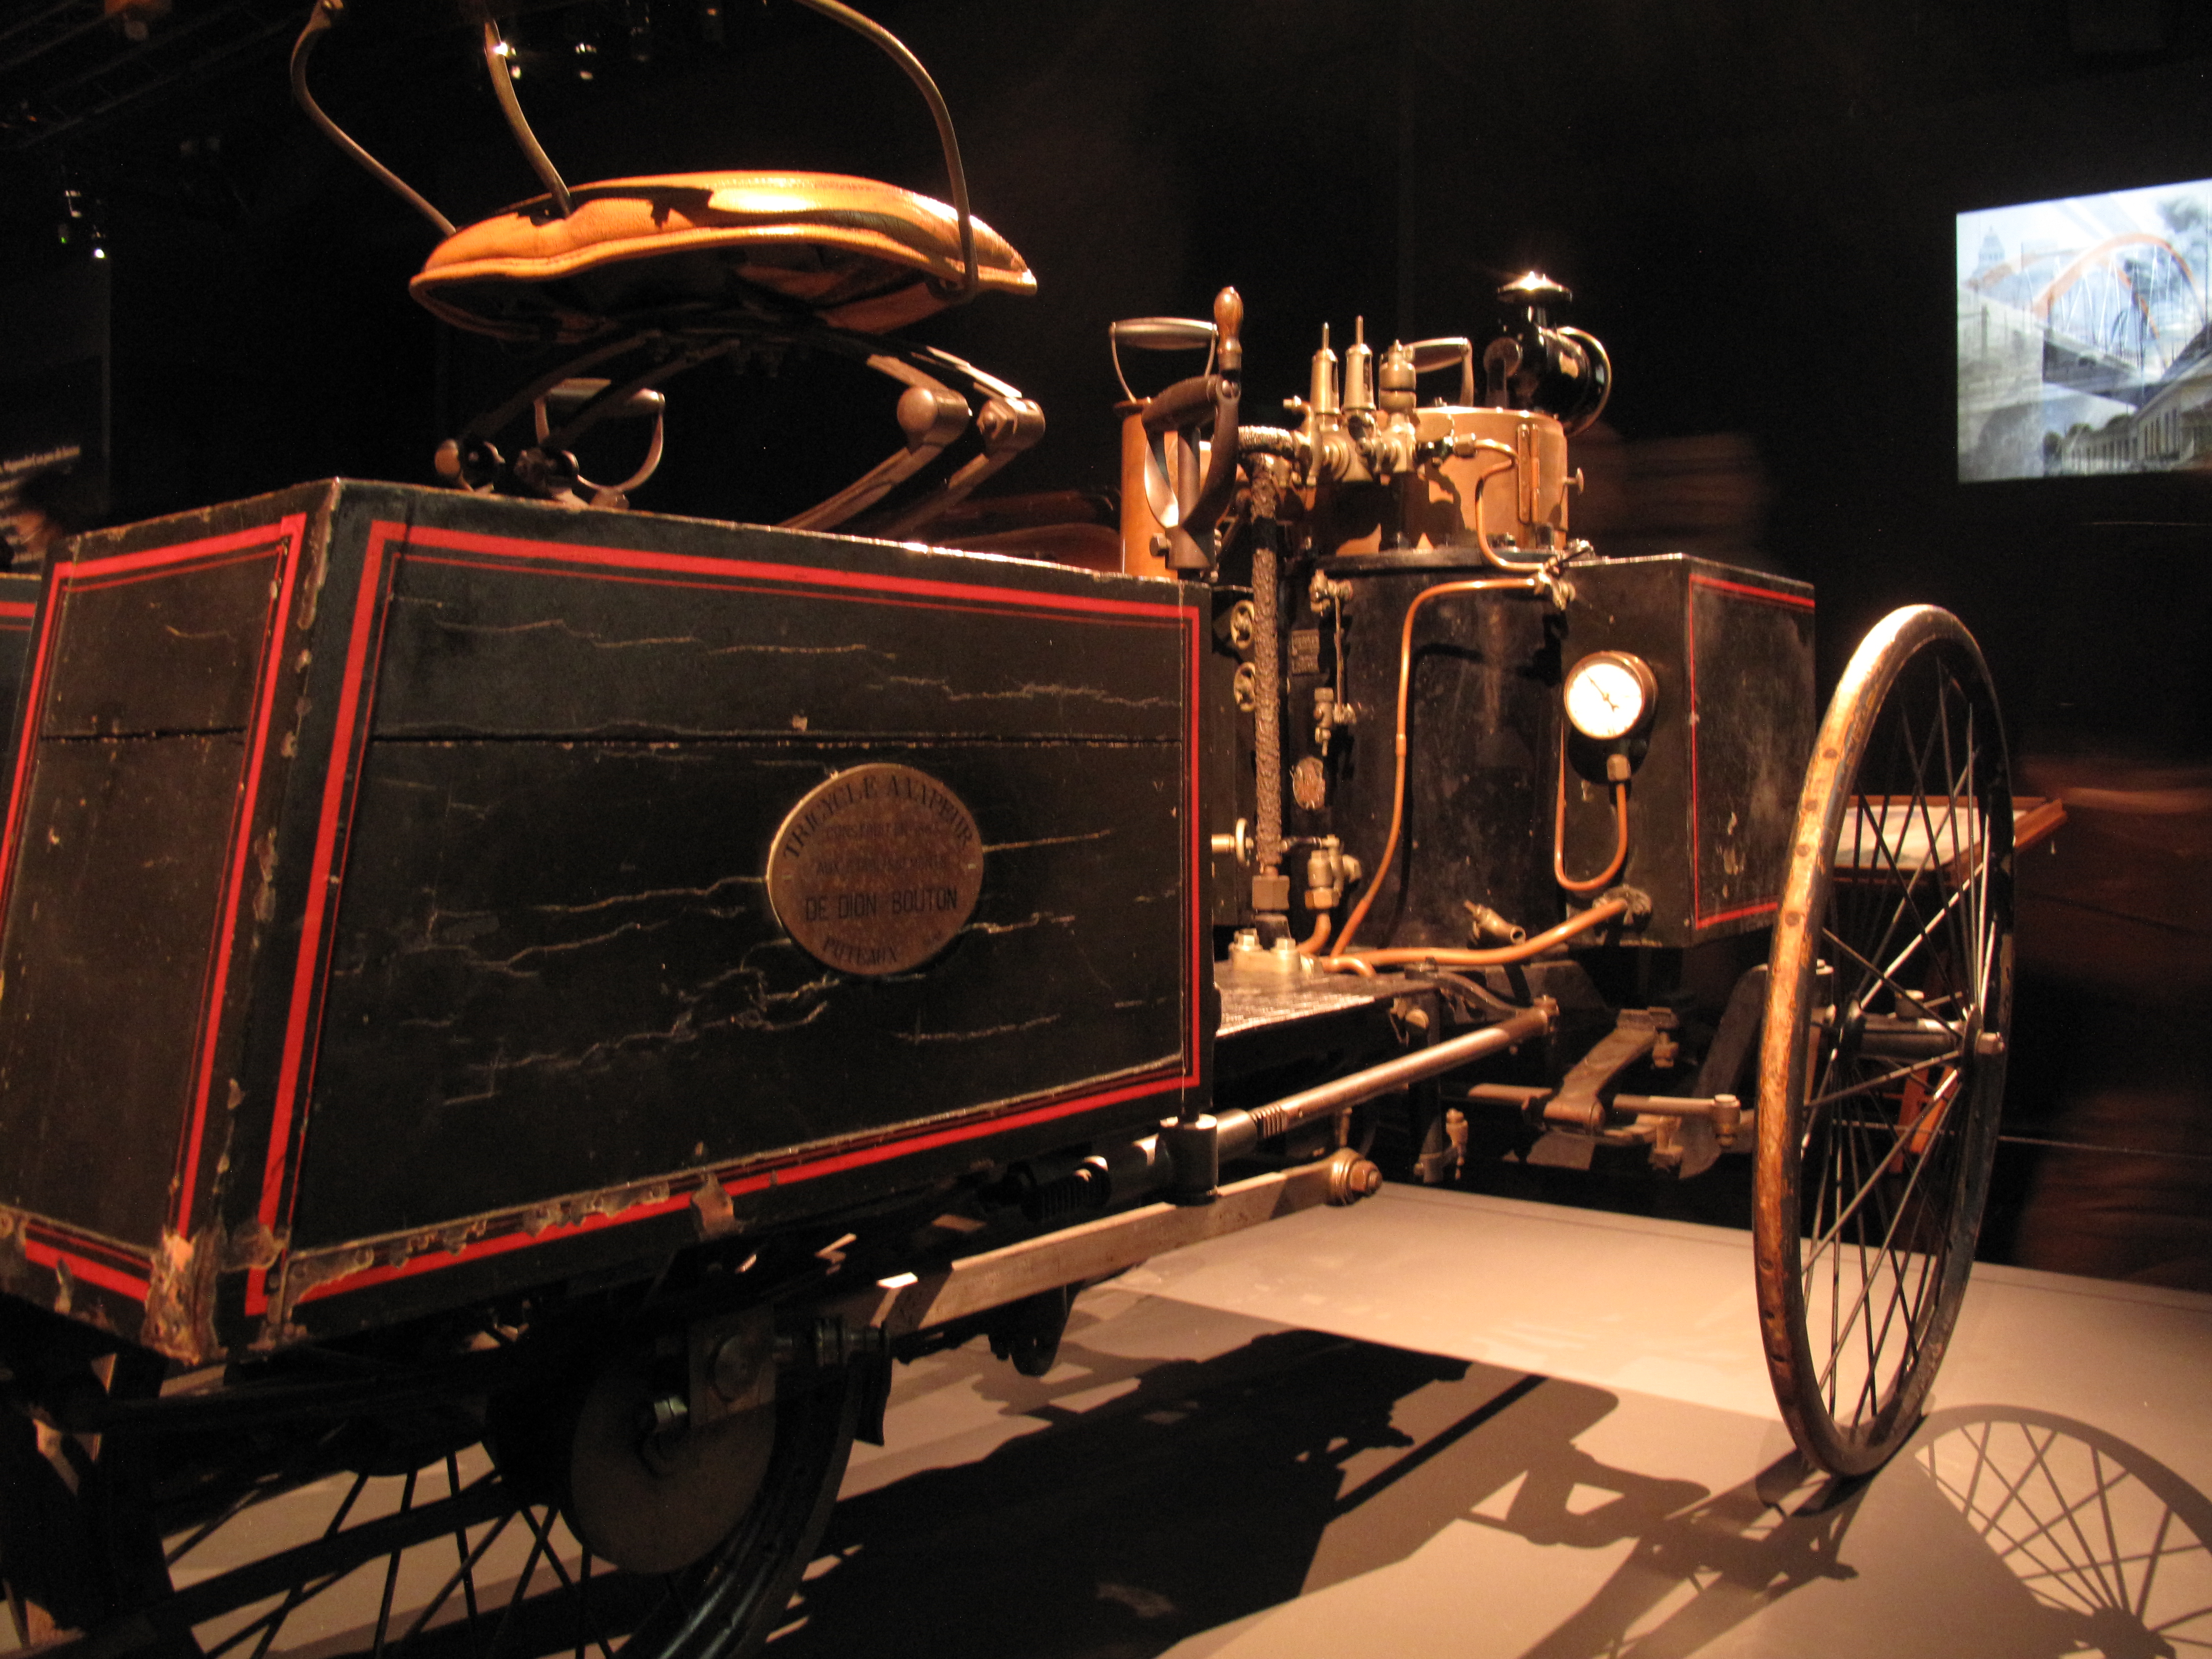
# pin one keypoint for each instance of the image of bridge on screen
(2083, 345)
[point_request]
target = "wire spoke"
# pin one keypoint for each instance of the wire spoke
(300, 1593)
(1895, 1264)
(1911, 1003)
(1904, 1203)
(1873, 1085)
(1907, 885)
(544, 1533)
(521, 1588)
(1912, 946)
(465, 1573)
(281, 1481)
(272, 1621)
(345, 1497)
(1936, 863)
(392, 1571)
(461, 1549)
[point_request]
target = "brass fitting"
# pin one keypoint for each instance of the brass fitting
(1329, 871)
(1352, 1178)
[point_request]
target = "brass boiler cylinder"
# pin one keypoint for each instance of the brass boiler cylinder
(1506, 486)
(1148, 509)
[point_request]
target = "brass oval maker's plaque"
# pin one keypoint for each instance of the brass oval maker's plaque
(876, 870)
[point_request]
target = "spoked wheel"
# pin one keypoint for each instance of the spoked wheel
(401, 1534)
(1883, 1064)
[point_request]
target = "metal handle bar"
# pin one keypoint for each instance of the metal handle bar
(1429, 355)
(1159, 334)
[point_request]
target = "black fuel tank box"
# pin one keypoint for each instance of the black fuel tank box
(389, 920)
(1719, 767)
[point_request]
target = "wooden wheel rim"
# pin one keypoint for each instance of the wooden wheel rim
(1807, 1364)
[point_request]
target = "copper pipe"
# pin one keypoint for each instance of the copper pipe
(1310, 947)
(1605, 878)
(1511, 462)
(1474, 584)
(1499, 956)
(1460, 450)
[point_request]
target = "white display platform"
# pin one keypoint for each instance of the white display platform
(1602, 1471)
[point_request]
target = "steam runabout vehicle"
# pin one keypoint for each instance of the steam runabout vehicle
(516, 1014)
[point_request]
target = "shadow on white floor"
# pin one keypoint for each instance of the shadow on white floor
(1445, 1425)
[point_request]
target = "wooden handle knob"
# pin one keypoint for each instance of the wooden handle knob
(1228, 313)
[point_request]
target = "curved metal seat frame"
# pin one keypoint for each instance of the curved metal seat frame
(960, 424)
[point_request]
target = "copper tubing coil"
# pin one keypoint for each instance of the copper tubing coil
(1473, 585)
(1605, 878)
(1366, 962)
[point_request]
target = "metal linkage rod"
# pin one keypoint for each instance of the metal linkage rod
(496, 54)
(1241, 1131)
(320, 20)
(895, 49)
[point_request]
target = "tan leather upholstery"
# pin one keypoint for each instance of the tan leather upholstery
(858, 254)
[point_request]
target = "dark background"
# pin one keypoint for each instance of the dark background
(1754, 205)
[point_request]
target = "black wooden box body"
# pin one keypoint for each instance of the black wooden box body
(1716, 772)
(385, 920)
(1720, 765)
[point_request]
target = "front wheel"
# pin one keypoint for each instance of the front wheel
(1882, 1068)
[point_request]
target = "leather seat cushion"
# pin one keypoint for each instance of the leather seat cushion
(857, 253)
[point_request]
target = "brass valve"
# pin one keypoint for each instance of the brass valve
(1329, 871)
(1395, 380)
(1330, 713)
(1358, 371)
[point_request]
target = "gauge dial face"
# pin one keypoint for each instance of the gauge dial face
(1608, 695)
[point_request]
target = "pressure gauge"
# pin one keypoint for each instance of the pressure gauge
(1609, 695)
